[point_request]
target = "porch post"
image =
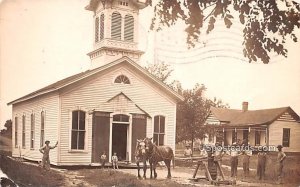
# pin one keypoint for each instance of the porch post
(267, 137)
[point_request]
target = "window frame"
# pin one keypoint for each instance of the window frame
(32, 130)
(24, 131)
(42, 130)
(159, 133)
(286, 143)
(16, 131)
(257, 137)
(78, 130)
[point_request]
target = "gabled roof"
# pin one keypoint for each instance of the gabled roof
(250, 117)
(83, 75)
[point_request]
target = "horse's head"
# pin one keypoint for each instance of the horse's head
(148, 144)
(140, 148)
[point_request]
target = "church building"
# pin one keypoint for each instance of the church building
(104, 109)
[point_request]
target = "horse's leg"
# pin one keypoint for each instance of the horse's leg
(144, 168)
(168, 164)
(151, 168)
(138, 167)
(154, 169)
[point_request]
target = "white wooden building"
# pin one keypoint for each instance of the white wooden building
(266, 127)
(105, 108)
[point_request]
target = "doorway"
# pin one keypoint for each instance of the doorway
(119, 140)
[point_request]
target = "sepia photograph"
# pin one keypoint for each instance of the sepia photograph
(154, 93)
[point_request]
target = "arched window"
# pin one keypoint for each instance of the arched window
(122, 79)
(116, 23)
(42, 138)
(78, 130)
(97, 29)
(102, 27)
(128, 28)
(159, 130)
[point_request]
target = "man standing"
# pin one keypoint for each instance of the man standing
(247, 153)
(45, 151)
(234, 153)
(261, 163)
(103, 160)
(280, 158)
(188, 152)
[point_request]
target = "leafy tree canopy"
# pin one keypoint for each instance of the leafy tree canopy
(266, 23)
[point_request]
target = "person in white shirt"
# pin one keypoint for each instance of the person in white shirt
(114, 160)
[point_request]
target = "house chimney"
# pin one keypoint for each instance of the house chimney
(245, 106)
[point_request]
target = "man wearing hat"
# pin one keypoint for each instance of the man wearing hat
(280, 158)
(45, 151)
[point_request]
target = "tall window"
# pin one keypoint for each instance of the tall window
(102, 27)
(42, 139)
(78, 129)
(159, 130)
(116, 23)
(96, 29)
(32, 128)
(286, 137)
(257, 137)
(128, 28)
(23, 130)
(234, 136)
(16, 131)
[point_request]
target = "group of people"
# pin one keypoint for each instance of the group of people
(114, 160)
(243, 150)
(45, 150)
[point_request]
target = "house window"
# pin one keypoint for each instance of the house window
(23, 130)
(78, 130)
(32, 128)
(42, 139)
(97, 29)
(121, 118)
(159, 130)
(128, 28)
(286, 137)
(16, 131)
(257, 137)
(234, 136)
(102, 27)
(116, 23)
(122, 79)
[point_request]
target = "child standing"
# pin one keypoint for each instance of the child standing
(114, 160)
(103, 159)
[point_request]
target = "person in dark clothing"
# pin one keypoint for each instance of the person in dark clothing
(45, 151)
(261, 164)
(280, 158)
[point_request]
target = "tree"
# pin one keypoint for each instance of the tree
(267, 23)
(7, 132)
(160, 70)
(191, 114)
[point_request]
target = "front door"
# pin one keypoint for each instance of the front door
(119, 140)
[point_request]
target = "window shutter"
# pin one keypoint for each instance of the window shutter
(102, 27)
(97, 29)
(116, 26)
(128, 28)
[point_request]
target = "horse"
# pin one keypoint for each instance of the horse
(140, 156)
(156, 154)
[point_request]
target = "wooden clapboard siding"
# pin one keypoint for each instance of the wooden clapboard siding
(276, 132)
(212, 120)
(48, 103)
(95, 93)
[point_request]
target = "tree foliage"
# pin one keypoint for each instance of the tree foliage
(160, 70)
(267, 23)
(7, 132)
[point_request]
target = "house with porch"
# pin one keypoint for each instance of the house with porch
(106, 108)
(268, 127)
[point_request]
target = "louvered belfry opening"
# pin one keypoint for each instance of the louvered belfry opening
(102, 27)
(116, 23)
(97, 29)
(128, 28)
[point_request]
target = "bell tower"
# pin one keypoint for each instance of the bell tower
(115, 30)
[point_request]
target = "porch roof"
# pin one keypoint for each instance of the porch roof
(237, 118)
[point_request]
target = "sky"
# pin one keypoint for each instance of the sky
(42, 42)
